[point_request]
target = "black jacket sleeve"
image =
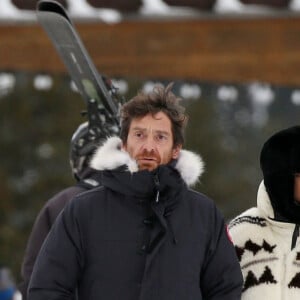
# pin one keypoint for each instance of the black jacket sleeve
(221, 277)
(41, 228)
(59, 262)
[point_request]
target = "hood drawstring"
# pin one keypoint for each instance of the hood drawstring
(174, 239)
(156, 182)
(157, 197)
(295, 236)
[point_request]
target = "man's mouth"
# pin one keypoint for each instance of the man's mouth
(147, 158)
(148, 163)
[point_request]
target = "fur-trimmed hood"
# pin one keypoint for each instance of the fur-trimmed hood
(110, 156)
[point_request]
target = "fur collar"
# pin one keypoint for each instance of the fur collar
(110, 156)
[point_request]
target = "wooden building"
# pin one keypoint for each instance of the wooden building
(228, 48)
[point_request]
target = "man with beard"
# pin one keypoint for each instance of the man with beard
(144, 234)
(266, 237)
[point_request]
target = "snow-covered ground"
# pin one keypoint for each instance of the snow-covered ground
(81, 9)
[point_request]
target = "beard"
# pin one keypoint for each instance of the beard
(148, 160)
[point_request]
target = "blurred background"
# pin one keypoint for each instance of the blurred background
(235, 64)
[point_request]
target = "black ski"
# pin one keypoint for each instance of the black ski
(102, 103)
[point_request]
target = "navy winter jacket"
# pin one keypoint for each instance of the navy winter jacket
(87, 180)
(141, 236)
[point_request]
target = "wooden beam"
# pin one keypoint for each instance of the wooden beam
(208, 49)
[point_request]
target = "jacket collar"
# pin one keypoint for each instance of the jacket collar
(110, 156)
(263, 201)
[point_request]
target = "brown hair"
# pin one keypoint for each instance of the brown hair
(160, 99)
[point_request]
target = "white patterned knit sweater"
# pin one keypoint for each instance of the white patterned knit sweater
(270, 268)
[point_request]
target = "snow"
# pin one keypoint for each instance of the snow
(159, 7)
(295, 97)
(235, 6)
(148, 86)
(43, 82)
(7, 83)
(221, 7)
(227, 93)
(82, 9)
(190, 91)
(10, 12)
(261, 93)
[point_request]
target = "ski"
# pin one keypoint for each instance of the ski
(103, 104)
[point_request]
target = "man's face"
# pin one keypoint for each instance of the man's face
(297, 188)
(150, 141)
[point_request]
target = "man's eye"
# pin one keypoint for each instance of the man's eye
(138, 134)
(161, 137)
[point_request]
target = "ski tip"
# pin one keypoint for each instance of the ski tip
(52, 6)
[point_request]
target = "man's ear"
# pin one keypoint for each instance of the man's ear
(176, 151)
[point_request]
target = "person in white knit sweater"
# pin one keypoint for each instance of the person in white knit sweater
(266, 237)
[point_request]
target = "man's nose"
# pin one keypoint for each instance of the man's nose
(149, 144)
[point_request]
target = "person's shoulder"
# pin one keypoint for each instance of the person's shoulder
(91, 193)
(251, 224)
(84, 203)
(88, 196)
(204, 207)
(64, 196)
(200, 199)
(251, 216)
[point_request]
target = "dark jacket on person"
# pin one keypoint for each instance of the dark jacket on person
(142, 235)
(87, 179)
